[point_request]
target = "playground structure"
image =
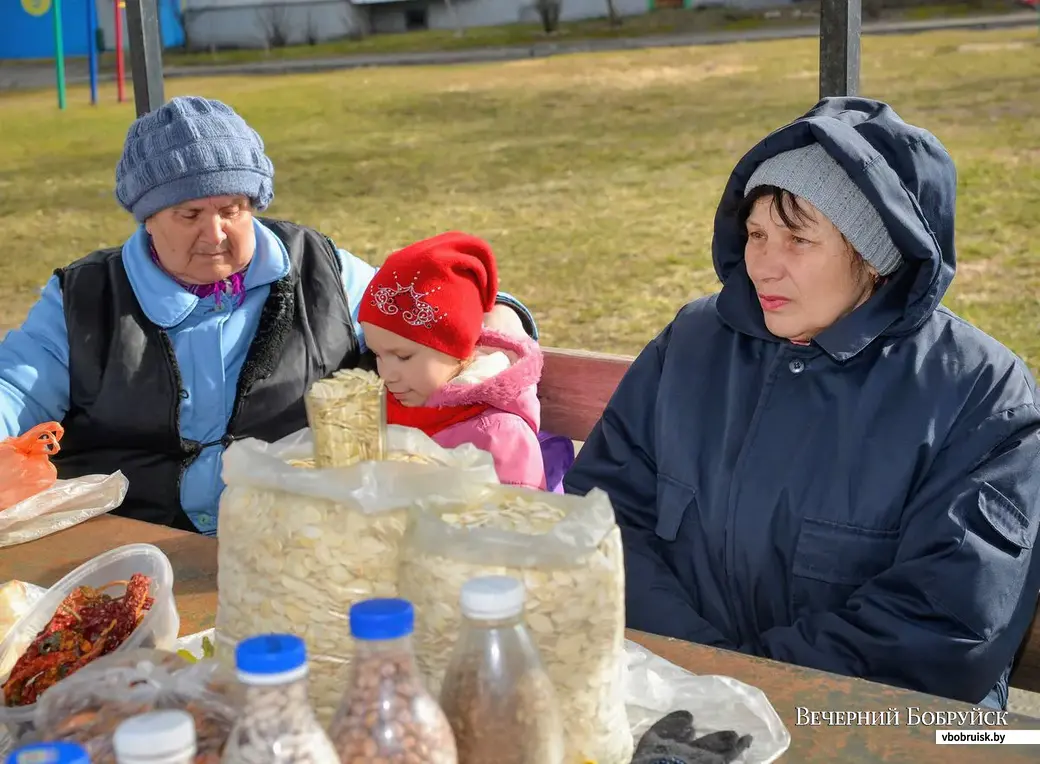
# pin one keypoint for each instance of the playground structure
(62, 29)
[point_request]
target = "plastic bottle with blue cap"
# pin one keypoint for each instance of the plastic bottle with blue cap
(495, 688)
(49, 753)
(277, 723)
(157, 737)
(387, 715)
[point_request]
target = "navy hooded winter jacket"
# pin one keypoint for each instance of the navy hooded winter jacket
(865, 505)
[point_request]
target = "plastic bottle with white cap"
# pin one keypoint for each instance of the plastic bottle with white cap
(496, 694)
(49, 753)
(158, 737)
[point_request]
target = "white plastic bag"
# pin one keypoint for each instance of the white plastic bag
(655, 687)
(63, 505)
(567, 551)
(300, 545)
(16, 599)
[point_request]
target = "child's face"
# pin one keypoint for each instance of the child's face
(412, 372)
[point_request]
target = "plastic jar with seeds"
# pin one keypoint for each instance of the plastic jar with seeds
(387, 716)
(347, 414)
(497, 696)
(277, 722)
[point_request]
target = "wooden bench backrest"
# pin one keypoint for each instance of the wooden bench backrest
(575, 388)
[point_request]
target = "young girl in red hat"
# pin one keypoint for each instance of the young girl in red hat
(445, 374)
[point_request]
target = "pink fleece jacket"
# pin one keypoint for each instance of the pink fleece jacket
(508, 429)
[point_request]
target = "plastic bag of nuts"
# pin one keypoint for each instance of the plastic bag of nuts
(387, 716)
(299, 544)
(567, 552)
(87, 707)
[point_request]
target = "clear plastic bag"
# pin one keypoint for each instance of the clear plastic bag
(64, 504)
(88, 706)
(25, 463)
(656, 687)
(300, 545)
(567, 551)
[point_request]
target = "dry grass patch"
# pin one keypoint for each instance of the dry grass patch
(595, 177)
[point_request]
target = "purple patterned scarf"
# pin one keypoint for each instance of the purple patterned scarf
(234, 285)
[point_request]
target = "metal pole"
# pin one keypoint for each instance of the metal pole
(840, 26)
(142, 22)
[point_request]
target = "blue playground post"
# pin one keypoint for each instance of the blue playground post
(92, 57)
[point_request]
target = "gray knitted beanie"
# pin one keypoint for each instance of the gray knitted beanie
(191, 148)
(814, 175)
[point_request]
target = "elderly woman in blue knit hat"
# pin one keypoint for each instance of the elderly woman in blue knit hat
(206, 325)
(820, 464)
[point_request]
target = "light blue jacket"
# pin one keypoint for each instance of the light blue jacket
(210, 344)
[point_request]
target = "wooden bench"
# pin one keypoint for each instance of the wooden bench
(575, 388)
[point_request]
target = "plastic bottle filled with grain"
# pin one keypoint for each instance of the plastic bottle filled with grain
(277, 725)
(387, 716)
(157, 737)
(496, 694)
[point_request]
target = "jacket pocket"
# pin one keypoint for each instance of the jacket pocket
(1002, 516)
(673, 499)
(994, 560)
(832, 560)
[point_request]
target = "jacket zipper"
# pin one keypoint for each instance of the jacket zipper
(729, 535)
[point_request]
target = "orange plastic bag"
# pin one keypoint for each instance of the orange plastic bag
(25, 463)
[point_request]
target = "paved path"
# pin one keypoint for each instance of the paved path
(22, 77)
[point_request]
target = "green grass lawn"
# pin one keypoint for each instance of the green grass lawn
(595, 177)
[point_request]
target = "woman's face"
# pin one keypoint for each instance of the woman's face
(204, 240)
(806, 274)
(412, 372)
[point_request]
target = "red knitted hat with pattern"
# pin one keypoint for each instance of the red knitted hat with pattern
(435, 292)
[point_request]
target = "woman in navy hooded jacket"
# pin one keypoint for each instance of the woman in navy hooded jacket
(820, 464)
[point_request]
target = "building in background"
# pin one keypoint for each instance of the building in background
(214, 24)
(26, 26)
(270, 23)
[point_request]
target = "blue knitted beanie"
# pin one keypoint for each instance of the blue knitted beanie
(191, 148)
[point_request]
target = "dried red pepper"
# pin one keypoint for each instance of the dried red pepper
(87, 624)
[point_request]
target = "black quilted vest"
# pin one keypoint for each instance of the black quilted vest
(125, 387)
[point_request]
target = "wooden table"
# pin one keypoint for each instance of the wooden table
(788, 687)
